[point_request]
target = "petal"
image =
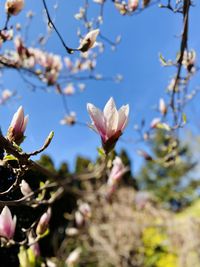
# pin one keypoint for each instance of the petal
(13, 226)
(111, 117)
(97, 118)
(123, 117)
(92, 35)
(25, 123)
(6, 223)
(6, 215)
(18, 120)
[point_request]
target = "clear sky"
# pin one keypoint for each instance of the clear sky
(136, 58)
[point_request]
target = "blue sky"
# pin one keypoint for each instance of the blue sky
(136, 58)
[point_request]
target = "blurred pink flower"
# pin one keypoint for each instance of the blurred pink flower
(7, 223)
(117, 171)
(110, 123)
(18, 126)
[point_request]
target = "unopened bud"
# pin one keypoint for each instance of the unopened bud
(13, 7)
(17, 127)
(43, 222)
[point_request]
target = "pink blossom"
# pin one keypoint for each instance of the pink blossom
(18, 126)
(7, 223)
(110, 123)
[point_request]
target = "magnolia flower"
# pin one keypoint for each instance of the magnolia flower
(13, 7)
(25, 188)
(89, 41)
(73, 257)
(43, 222)
(7, 223)
(17, 127)
(110, 123)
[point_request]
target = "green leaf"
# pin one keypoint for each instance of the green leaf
(184, 118)
(163, 126)
(101, 152)
(9, 158)
(45, 233)
(162, 60)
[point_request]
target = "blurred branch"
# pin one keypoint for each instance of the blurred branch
(183, 47)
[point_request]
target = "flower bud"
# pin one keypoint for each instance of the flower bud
(13, 7)
(25, 188)
(43, 222)
(34, 245)
(17, 127)
(88, 41)
(7, 223)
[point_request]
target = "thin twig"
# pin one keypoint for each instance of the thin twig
(51, 23)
